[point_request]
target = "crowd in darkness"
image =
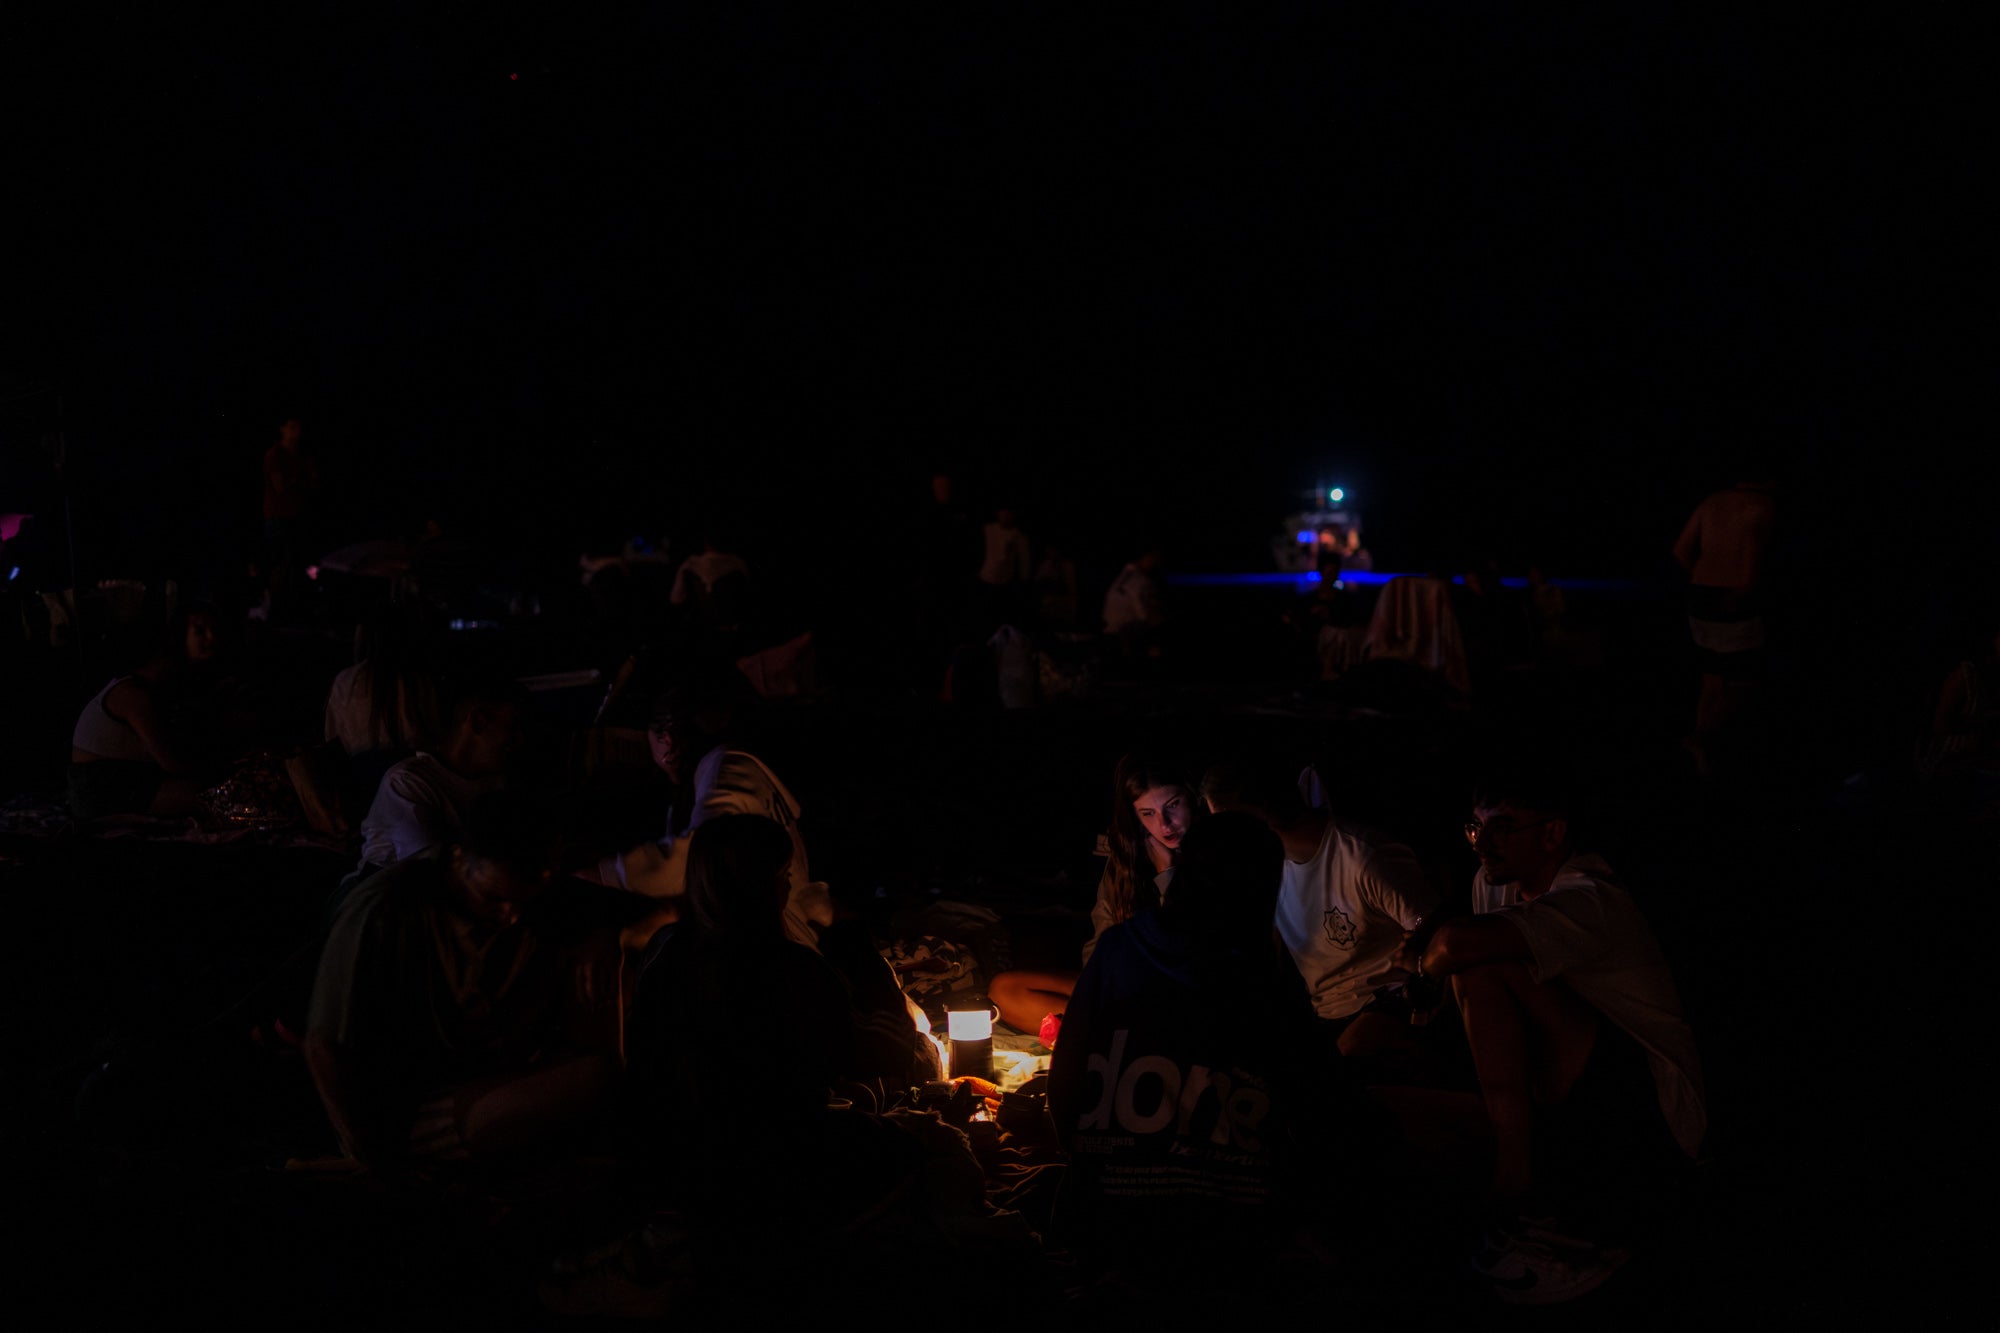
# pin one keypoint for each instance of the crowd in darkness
(588, 596)
(708, 1048)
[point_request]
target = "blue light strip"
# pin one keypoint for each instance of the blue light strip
(1369, 578)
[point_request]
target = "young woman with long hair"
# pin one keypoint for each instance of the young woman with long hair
(1152, 805)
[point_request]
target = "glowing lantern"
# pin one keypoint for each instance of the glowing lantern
(971, 1033)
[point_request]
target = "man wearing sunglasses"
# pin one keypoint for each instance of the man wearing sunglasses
(1586, 1064)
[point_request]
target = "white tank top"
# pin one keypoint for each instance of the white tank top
(101, 734)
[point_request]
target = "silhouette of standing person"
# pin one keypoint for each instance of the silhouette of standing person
(291, 485)
(1725, 549)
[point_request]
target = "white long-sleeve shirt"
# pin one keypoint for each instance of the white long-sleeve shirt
(728, 782)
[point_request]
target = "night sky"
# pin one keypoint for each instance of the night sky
(1518, 281)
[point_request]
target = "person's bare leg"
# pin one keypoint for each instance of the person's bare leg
(1496, 1030)
(1373, 1036)
(1024, 999)
(533, 1108)
(1529, 1044)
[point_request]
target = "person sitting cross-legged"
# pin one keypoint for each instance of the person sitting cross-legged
(1586, 1064)
(464, 1008)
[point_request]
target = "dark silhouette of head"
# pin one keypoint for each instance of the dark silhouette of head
(506, 854)
(1226, 882)
(1257, 786)
(485, 724)
(737, 877)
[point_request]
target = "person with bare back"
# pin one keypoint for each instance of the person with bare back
(1725, 549)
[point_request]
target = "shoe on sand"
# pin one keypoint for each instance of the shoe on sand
(1531, 1262)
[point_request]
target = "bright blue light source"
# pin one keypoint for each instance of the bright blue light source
(13, 573)
(1306, 537)
(1336, 495)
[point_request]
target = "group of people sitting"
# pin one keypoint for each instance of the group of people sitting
(1238, 907)
(1257, 983)
(1277, 1006)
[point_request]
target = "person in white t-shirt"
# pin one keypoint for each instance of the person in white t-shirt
(1152, 808)
(711, 778)
(1572, 1017)
(1351, 897)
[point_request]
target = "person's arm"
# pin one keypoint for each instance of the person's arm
(1393, 884)
(659, 869)
(136, 708)
(596, 1018)
(346, 1026)
(343, 1087)
(1466, 942)
(720, 793)
(653, 869)
(1101, 919)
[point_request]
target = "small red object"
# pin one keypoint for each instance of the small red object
(1051, 1025)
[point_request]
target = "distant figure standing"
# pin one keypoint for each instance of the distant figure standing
(1724, 548)
(1006, 569)
(1007, 559)
(291, 485)
(1133, 602)
(1326, 555)
(1964, 744)
(946, 539)
(944, 543)
(1353, 555)
(1055, 588)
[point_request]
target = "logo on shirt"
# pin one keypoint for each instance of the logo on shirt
(1340, 931)
(1154, 1093)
